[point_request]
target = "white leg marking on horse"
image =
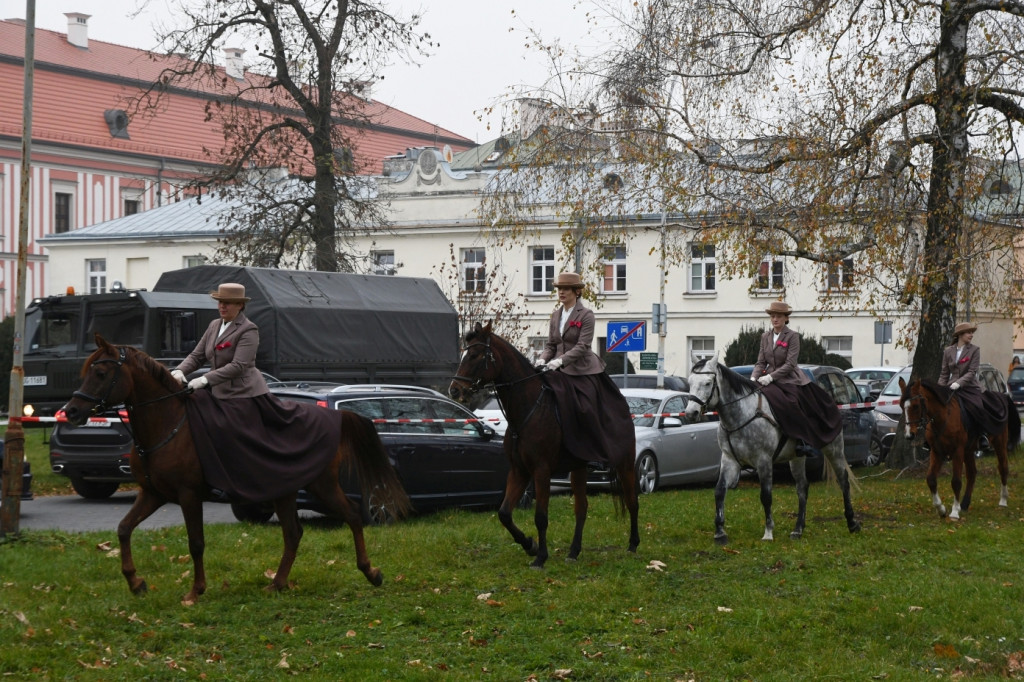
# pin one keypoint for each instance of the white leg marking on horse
(768, 535)
(937, 501)
(955, 514)
(1003, 496)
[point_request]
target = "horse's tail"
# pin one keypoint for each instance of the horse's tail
(1012, 425)
(833, 480)
(373, 466)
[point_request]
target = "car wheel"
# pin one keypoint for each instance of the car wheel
(874, 457)
(374, 511)
(251, 513)
(646, 473)
(94, 490)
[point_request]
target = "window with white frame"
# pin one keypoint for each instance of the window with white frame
(474, 273)
(702, 267)
(542, 269)
(614, 269)
(770, 274)
(131, 201)
(839, 276)
(702, 347)
(839, 345)
(96, 275)
(383, 262)
(63, 207)
(192, 261)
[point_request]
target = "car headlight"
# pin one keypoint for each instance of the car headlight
(884, 417)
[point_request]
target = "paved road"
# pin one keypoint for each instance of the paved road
(73, 513)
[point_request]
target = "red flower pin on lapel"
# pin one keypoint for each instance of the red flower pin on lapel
(576, 323)
(783, 344)
(963, 359)
(222, 346)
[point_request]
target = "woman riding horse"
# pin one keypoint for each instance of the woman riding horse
(985, 411)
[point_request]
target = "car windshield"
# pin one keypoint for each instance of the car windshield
(640, 406)
(893, 387)
(1017, 374)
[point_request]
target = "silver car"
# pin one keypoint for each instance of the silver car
(669, 449)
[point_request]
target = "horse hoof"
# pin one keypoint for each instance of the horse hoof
(141, 588)
(376, 578)
(536, 567)
(795, 536)
(570, 559)
(855, 527)
(721, 539)
(533, 548)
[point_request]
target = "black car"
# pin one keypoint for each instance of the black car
(443, 455)
(26, 476)
(95, 455)
(858, 422)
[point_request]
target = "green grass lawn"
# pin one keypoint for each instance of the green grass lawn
(910, 597)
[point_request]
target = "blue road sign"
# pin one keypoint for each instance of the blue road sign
(627, 337)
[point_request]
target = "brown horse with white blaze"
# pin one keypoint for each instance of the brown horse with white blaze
(533, 441)
(167, 467)
(932, 413)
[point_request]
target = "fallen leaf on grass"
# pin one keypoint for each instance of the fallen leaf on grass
(1015, 662)
(350, 633)
(596, 654)
(946, 651)
(562, 674)
(729, 550)
(21, 617)
(288, 630)
(270, 573)
(915, 608)
(375, 645)
(414, 662)
(724, 609)
(656, 565)
(483, 596)
(283, 663)
(104, 546)
(495, 602)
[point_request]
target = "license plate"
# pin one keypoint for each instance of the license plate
(97, 425)
(35, 381)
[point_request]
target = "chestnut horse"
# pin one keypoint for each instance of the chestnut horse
(166, 466)
(533, 441)
(933, 414)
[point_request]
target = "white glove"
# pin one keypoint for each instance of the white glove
(554, 364)
(179, 375)
(764, 379)
(954, 386)
(541, 364)
(198, 383)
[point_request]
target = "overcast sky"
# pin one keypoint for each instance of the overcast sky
(482, 49)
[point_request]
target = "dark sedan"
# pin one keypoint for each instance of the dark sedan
(442, 457)
(858, 422)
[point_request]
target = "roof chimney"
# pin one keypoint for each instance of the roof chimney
(233, 64)
(78, 29)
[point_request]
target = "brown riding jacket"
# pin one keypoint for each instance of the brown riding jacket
(232, 358)
(574, 346)
(780, 359)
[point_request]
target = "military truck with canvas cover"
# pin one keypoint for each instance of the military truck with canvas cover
(314, 326)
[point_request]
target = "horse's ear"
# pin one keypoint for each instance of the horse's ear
(100, 341)
(487, 327)
(713, 360)
(903, 385)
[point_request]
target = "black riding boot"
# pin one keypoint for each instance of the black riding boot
(803, 449)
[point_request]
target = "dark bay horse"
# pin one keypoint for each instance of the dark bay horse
(170, 470)
(750, 437)
(933, 414)
(533, 441)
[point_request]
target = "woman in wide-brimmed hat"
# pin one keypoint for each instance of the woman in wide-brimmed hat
(591, 407)
(986, 411)
(804, 411)
(229, 345)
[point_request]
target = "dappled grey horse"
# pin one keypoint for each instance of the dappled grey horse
(750, 437)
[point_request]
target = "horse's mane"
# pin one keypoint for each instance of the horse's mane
(481, 336)
(133, 355)
(737, 382)
(943, 393)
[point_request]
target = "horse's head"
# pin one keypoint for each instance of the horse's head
(914, 403)
(704, 391)
(104, 383)
(478, 367)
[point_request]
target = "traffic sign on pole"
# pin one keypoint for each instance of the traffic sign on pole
(626, 337)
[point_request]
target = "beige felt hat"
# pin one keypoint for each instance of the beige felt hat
(568, 279)
(229, 292)
(778, 307)
(962, 328)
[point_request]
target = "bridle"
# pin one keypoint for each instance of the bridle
(711, 396)
(101, 405)
(478, 383)
(759, 413)
(918, 425)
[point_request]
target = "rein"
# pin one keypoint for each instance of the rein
(759, 412)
